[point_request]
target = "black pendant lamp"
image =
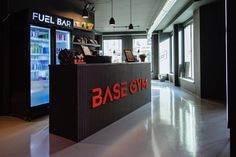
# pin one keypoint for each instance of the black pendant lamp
(131, 25)
(85, 13)
(112, 20)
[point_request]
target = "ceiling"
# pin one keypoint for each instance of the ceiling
(185, 14)
(144, 13)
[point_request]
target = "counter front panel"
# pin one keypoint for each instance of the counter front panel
(86, 98)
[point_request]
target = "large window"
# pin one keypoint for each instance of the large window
(180, 44)
(143, 46)
(188, 52)
(172, 55)
(113, 48)
(164, 57)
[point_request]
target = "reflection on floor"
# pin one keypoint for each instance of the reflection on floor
(174, 124)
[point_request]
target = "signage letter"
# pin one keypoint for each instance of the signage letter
(35, 15)
(97, 100)
(132, 87)
(68, 24)
(139, 82)
(107, 93)
(144, 84)
(59, 21)
(116, 91)
(123, 89)
(41, 17)
(47, 18)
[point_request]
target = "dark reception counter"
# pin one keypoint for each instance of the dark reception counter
(86, 98)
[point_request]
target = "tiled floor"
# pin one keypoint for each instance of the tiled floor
(174, 124)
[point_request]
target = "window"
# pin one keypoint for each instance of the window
(143, 46)
(180, 38)
(188, 52)
(172, 55)
(113, 48)
(164, 56)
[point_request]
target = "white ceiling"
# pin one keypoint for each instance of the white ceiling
(144, 13)
(188, 13)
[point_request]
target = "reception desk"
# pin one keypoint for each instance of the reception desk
(86, 98)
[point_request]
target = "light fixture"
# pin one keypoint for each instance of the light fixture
(85, 13)
(168, 5)
(112, 20)
(131, 25)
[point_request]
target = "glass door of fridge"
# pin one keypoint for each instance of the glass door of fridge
(40, 50)
(62, 42)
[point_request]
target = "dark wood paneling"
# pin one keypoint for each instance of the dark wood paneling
(71, 113)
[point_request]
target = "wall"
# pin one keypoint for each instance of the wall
(127, 43)
(197, 61)
(212, 40)
(4, 33)
(99, 39)
(231, 77)
(155, 56)
(209, 53)
(187, 84)
(171, 77)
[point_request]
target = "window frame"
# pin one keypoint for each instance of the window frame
(185, 25)
(103, 47)
(151, 53)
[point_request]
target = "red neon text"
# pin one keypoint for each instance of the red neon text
(117, 91)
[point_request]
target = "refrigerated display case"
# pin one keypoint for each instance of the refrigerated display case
(39, 60)
(62, 42)
(37, 37)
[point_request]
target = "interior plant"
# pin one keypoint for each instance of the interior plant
(142, 57)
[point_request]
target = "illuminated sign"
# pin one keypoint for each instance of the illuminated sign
(53, 20)
(117, 91)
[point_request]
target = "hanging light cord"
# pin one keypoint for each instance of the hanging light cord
(130, 12)
(111, 8)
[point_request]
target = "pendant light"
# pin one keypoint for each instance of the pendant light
(85, 13)
(131, 25)
(112, 20)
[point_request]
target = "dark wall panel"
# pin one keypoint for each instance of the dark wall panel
(4, 44)
(212, 40)
(155, 56)
(231, 57)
